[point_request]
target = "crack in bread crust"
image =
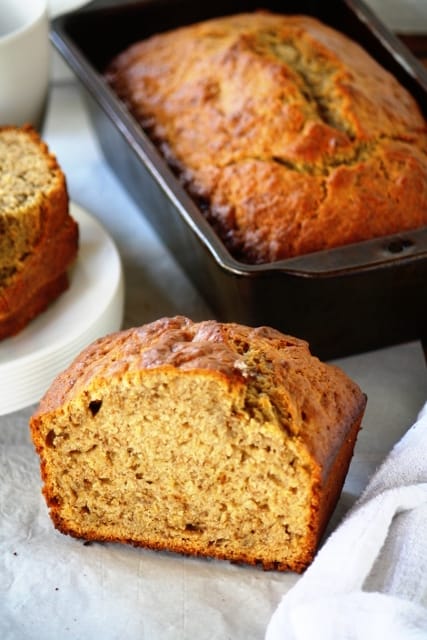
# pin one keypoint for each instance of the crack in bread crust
(206, 438)
(260, 115)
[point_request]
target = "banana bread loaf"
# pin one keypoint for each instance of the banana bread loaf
(289, 136)
(38, 237)
(205, 438)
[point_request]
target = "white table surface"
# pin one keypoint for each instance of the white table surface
(52, 586)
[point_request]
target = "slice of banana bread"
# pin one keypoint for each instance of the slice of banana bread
(203, 438)
(38, 237)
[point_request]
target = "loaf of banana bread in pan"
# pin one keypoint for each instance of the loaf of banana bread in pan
(289, 136)
(38, 237)
(208, 439)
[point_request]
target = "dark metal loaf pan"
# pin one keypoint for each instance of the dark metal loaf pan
(343, 301)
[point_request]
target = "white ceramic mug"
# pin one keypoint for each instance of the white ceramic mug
(24, 61)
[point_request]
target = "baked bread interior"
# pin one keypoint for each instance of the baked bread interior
(289, 136)
(38, 237)
(208, 439)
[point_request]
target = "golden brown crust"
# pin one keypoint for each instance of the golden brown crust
(51, 207)
(293, 376)
(50, 259)
(291, 136)
(40, 238)
(269, 381)
(40, 283)
(312, 392)
(34, 305)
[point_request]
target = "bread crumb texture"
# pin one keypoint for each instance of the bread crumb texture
(289, 135)
(207, 439)
(38, 237)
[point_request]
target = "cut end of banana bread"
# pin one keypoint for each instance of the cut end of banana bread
(207, 439)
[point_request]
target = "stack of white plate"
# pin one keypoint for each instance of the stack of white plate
(90, 308)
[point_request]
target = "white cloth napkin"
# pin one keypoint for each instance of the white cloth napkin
(369, 580)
